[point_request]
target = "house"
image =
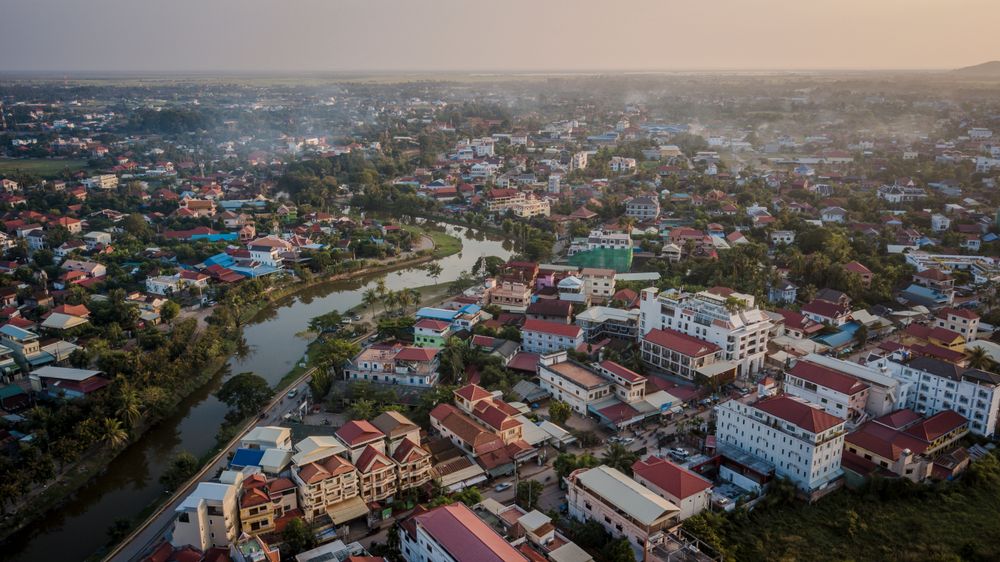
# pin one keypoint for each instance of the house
(88, 268)
(798, 439)
(861, 271)
(395, 364)
(621, 165)
(452, 533)
(208, 517)
(574, 383)
(825, 312)
(782, 237)
(25, 345)
(782, 292)
(64, 382)
(959, 320)
(678, 354)
(833, 214)
(550, 310)
(268, 251)
(540, 336)
(687, 490)
(644, 208)
(267, 437)
(599, 283)
(600, 322)
(95, 239)
(431, 333)
(265, 505)
(905, 443)
(625, 508)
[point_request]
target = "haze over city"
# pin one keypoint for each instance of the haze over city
(517, 35)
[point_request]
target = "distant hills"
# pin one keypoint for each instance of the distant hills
(991, 69)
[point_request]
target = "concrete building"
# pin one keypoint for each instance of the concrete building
(452, 533)
(208, 518)
(681, 487)
(539, 336)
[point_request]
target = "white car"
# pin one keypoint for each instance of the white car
(502, 486)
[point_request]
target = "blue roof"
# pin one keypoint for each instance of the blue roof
(924, 294)
(16, 333)
(437, 314)
(841, 338)
(246, 457)
(470, 309)
(222, 259)
(990, 237)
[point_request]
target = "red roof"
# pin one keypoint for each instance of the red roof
(960, 312)
(681, 343)
(524, 361)
(555, 328)
(417, 353)
(825, 309)
(358, 432)
(830, 378)
(429, 324)
(473, 393)
(937, 425)
(465, 536)
(933, 275)
(858, 268)
(672, 479)
(623, 372)
(799, 413)
(619, 412)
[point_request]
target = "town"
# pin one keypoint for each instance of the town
(563, 319)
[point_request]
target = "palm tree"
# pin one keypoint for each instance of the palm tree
(415, 297)
(389, 300)
(113, 433)
(618, 456)
(128, 409)
(369, 298)
(979, 359)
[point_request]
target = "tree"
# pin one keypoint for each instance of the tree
(618, 551)
(469, 496)
(978, 358)
(566, 463)
(435, 270)
(169, 311)
(370, 298)
(129, 406)
(320, 384)
(334, 352)
(112, 433)
(528, 492)
(183, 466)
(559, 412)
(361, 410)
(298, 537)
(244, 393)
(619, 457)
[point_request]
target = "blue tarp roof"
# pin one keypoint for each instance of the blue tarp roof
(246, 457)
(222, 259)
(841, 338)
(437, 314)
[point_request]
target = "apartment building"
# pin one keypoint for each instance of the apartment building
(685, 356)
(500, 200)
(452, 533)
(625, 508)
(904, 442)
(530, 206)
(578, 161)
(687, 490)
(644, 208)
(264, 502)
(599, 283)
(208, 518)
(539, 336)
(959, 320)
(620, 164)
(574, 383)
(328, 486)
(839, 394)
(719, 316)
(395, 364)
(602, 239)
(800, 440)
(938, 385)
(599, 322)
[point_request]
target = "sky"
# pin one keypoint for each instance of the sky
(498, 35)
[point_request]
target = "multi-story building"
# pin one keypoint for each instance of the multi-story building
(885, 393)
(500, 200)
(685, 356)
(938, 385)
(539, 336)
(327, 486)
(431, 333)
(959, 320)
(643, 208)
(452, 533)
(620, 164)
(838, 393)
(377, 475)
(269, 250)
(599, 283)
(359, 435)
(264, 502)
(208, 518)
(578, 161)
(800, 440)
(625, 508)
(531, 206)
(602, 239)
(904, 443)
(513, 287)
(395, 364)
(719, 316)
(599, 322)
(574, 383)
(687, 490)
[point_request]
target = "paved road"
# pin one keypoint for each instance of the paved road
(154, 530)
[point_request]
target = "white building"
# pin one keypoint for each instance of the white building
(208, 518)
(541, 336)
(578, 161)
(681, 487)
(801, 441)
(940, 223)
(621, 164)
(452, 533)
(625, 508)
(601, 239)
(573, 383)
(938, 385)
(727, 319)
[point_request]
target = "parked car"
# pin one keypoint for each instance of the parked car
(679, 453)
(502, 486)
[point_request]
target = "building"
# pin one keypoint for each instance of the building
(905, 443)
(599, 322)
(264, 503)
(681, 355)
(540, 336)
(838, 393)
(959, 320)
(551, 310)
(66, 382)
(625, 508)
(329, 486)
(452, 533)
(578, 161)
(431, 333)
(574, 383)
(208, 517)
(724, 318)
(644, 208)
(599, 283)
(621, 165)
(938, 385)
(268, 251)
(395, 364)
(800, 440)
(685, 489)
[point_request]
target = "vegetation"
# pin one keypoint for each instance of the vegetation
(245, 394)
(528, 493)
(887, 520)
(182, 467)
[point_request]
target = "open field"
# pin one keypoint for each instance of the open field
(47, 168)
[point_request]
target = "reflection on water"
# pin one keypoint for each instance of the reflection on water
(270, 348)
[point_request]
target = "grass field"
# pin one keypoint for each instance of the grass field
(40, 166)
(444, 244)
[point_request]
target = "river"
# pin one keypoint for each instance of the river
(78, 529)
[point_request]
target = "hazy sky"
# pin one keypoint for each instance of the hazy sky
(291, 35)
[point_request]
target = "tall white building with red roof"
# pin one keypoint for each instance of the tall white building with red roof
(453, 533)
(800, 440)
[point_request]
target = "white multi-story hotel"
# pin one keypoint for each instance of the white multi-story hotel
(720, 316)
(938, 385)
(801, 440)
